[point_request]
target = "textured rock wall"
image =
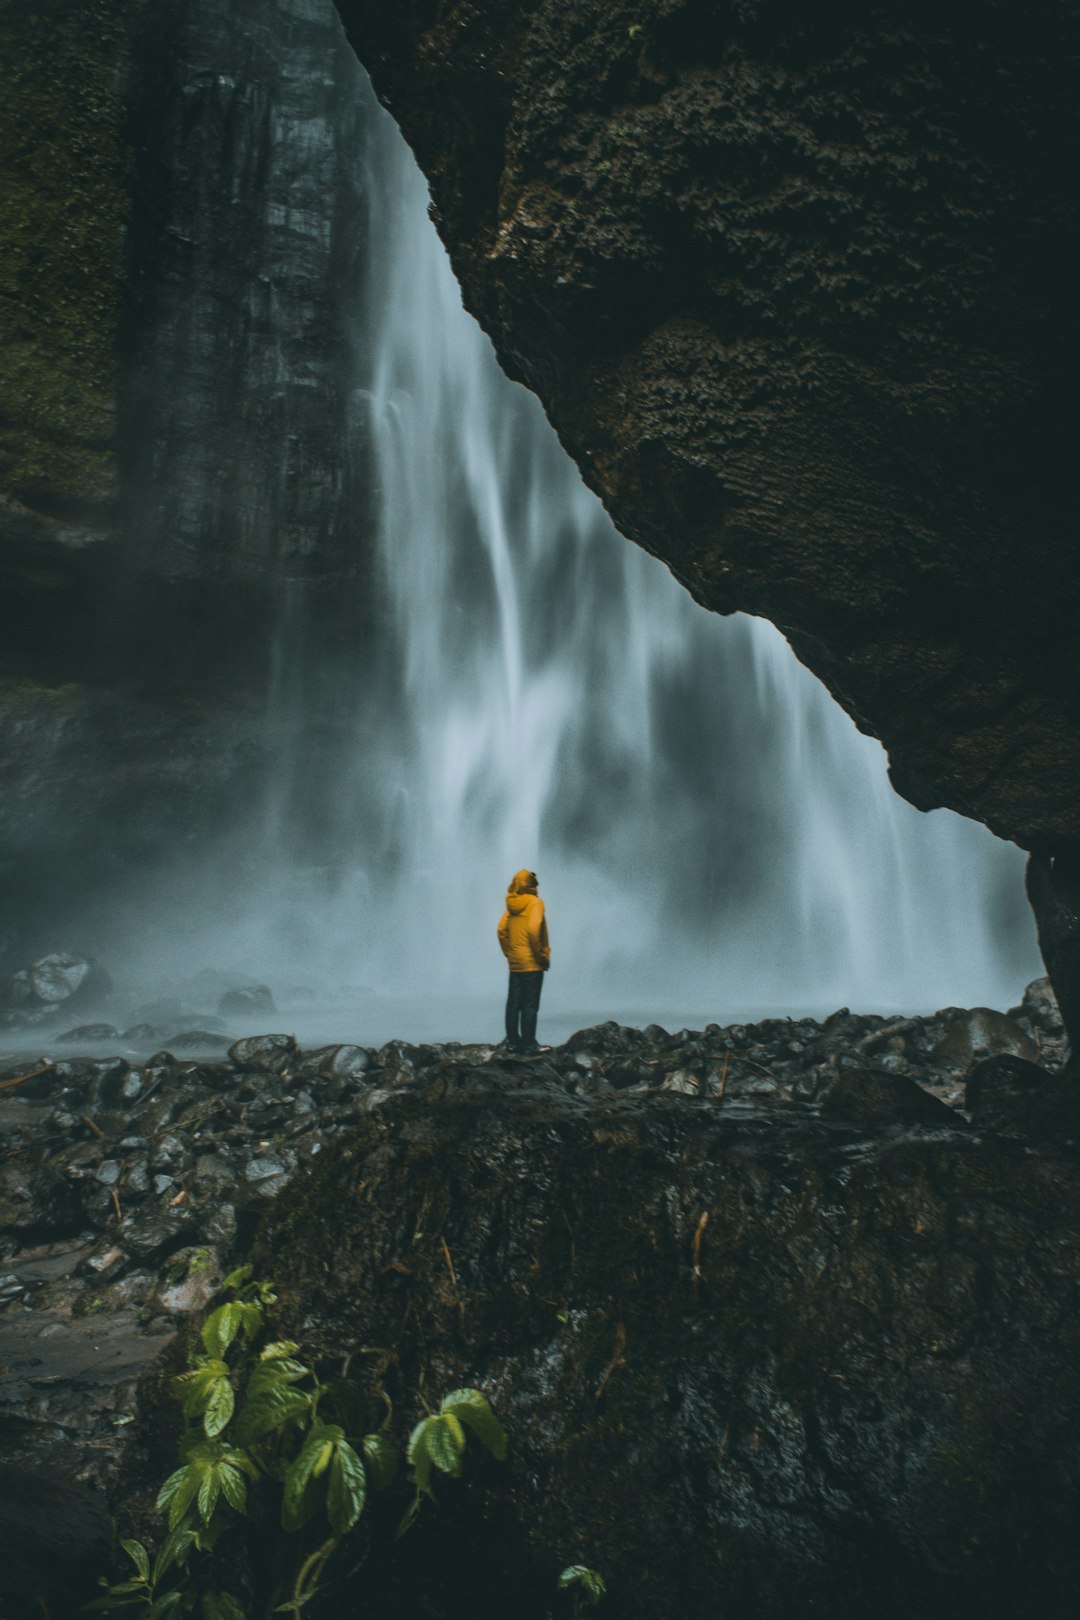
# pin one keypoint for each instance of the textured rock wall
(750, 1365)
(793, 284)
(66, 163)
(245, 279)
(178, 474)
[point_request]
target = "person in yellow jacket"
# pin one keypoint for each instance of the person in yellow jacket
(523, 936)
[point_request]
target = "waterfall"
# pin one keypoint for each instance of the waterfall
(710, 829)
(513, 684)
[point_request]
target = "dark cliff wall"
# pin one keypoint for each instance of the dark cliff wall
(245, 278)
(793, 284)
(181, 261)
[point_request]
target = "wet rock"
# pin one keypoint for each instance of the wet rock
(771, 1313)
(334, 1062)
(199, 1040)
(141, 1035)
(683, 1082)
(872, 1100)
(57, 1537)
(268, 1054)
(60, 977)
(1007, 1094)
(247, 1001)
(192, 1278)
(1040, 1007)
(211, 1176)
(983, 1033)
(90, 1032)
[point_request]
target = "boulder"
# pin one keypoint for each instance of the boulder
(267, 1054)
(749, 1365)
(875, 1100)
(247, 1001)
(983, 1033)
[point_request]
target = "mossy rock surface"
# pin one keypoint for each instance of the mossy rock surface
(751, 1365)
(65, 158)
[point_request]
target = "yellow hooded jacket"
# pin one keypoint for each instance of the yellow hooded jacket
(523, 931)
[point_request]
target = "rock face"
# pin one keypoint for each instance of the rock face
(761, 1362)
(176, 481)
(792, 285)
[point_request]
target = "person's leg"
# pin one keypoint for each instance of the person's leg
(530, 1007)
(513, 1011)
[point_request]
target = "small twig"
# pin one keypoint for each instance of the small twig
(89, 1123)
(116, 1204)
(699, 1234)
(449, 1261)
(618, 1359)
(894, 1026)
(20, 1079)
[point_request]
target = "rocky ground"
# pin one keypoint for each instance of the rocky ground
(129, 1183)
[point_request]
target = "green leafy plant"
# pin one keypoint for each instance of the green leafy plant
(586, 1586)
(262, 1420)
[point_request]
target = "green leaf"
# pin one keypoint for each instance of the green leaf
(279, 1349)
(299, 1498)
(219, 1407)
(474, 1410)
(593, 1585)
(251, 1316)
(237, 1278)
(590, 1581)
(139, 1557)
(267, 1375)
(174, 1549)
(221, 1327)
(193, 1389)
(273, 1410)
(444, 1442)
(380, 1460)
(178, 1493)
(209, 1491)
(165, 1606)
(418, 1456)
(346, 1490)
(222, 1606)
(234, 1487)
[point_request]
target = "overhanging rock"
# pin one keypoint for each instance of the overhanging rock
(794, 287)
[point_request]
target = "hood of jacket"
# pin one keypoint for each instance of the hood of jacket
(522, 889)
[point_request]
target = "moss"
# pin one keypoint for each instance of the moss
(65, 161)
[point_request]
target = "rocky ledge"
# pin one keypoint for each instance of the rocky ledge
(778, 1314)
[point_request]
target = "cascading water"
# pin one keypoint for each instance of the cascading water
(714, 838)
(711, 830)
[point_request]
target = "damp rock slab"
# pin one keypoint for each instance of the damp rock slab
(791, 284)
(764, 1364)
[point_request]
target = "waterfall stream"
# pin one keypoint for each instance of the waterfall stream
(710, 829)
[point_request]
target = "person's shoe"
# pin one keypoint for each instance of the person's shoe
(533, 1050)
(504, 1050)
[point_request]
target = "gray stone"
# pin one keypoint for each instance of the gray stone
(983, 1033)
(269, 1054)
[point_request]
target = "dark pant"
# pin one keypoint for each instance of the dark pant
(522, 1006)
